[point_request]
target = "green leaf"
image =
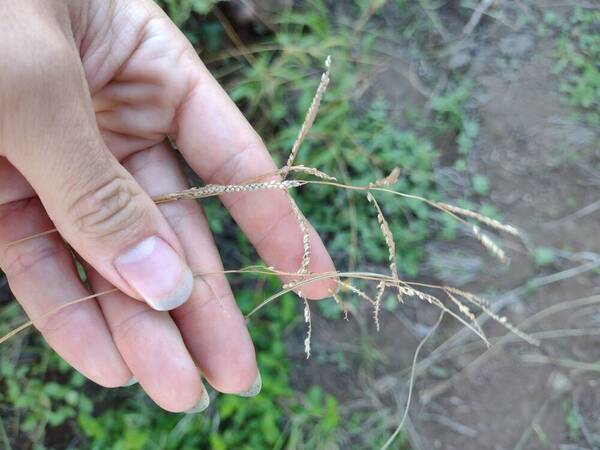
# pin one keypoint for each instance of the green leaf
(481, 185)
(544, 256)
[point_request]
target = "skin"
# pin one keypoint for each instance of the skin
(89, 91)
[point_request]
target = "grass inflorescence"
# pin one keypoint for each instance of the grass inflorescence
(459, 302)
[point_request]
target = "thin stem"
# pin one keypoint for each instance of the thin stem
(54, 311)
(306, 279)
(216, 190)
(412, 381)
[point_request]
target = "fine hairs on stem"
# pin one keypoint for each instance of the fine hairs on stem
(457, 303)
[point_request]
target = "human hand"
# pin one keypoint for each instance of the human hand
(89, 90)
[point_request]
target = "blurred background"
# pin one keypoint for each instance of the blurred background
(489, 104)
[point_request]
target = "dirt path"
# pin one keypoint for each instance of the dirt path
(537, 161)
(528, 149)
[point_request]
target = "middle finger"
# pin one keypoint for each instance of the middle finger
(210, 322)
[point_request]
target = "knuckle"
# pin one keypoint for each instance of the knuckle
(58, 323)
(229, 172)
(284, 219)
(180, 215)
(24, 257)
(19, 256)
(107, 210)
(125, 328)
(215, 292)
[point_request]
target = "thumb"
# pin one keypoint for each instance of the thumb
(102, 212)
(110, 222)
(96, 205)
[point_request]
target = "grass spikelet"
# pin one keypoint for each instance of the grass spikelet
(305, 237)
(212, 190)
(475, 328)
(311, 171)
(492, 223)
(474, 299)
(411, 292)
(490, 245)
(291, 285)
(485, 241)
(465, 310)
(389, 240)
(484, 306)
(308, 322)
(377, 304)
(342, 304)
(391, 179)
(357, 291)
(310, 117)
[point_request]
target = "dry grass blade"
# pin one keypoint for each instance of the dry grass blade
(310, 117)
(16, 331)
(33, 236)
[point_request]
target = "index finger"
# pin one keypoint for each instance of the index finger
(221, 146)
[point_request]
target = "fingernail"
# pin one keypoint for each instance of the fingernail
(131, 382)
(158, 274)
(201, 405)
(254, 389)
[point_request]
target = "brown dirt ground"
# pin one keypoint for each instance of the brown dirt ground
(539, 161)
